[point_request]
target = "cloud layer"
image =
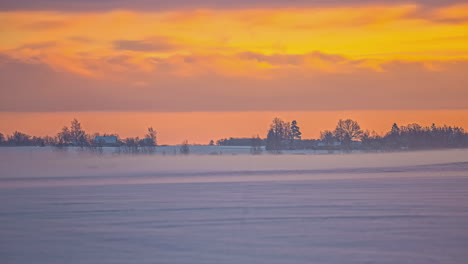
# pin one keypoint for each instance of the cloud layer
(257, 56)
(145, 5)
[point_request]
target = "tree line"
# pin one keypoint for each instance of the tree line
(281, 135)
(75, 135)
(348, 135)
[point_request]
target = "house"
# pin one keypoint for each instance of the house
(106, 140)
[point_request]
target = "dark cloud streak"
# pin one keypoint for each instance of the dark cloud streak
(148, 5)
(156, 44)
(47, 90)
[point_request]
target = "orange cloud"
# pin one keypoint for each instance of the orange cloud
(234, 53)
(454, 13)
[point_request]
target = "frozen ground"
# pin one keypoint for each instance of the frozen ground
(68, 207)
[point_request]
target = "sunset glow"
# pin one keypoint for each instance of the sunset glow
(201, 127)
(233, 131)
(233, 58)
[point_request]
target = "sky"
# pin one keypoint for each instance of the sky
(209, 57)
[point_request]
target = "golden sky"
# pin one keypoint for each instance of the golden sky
(218, 56)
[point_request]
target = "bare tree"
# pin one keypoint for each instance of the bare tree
(347, 131)
(50, 141)
(150, 138)
(327, 137)
(256, 145)
(64, 136)
(185, 148)
(279, 135)
(77, 134)
(19, 139)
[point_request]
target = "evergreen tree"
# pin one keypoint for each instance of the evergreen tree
(393, 137)
(295, 130)
(395, 130)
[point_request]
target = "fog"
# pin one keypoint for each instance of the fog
(70, 206)
(51, 166)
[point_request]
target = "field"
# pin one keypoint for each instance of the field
(79, 207)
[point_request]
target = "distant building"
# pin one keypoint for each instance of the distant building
(106, 140)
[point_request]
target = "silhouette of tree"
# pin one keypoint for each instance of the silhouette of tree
(77, 134)
(256, 145)
(295, 130)
(395, 130)
(150, 138)
(64, 137)
(393, 138)
(50, 141)
(19, 139)
(281, 135)
(185, 148)
(130, 145)
(414, 136)
(347, 131)
(235, 142)
(37, 141)
(278, 136)
(273, 141)
(327, 137)
(371, 140)
(296, 135)
(211, 143)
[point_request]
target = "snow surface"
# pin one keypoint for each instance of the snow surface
(76, 207)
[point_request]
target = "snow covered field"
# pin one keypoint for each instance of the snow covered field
(77, 207)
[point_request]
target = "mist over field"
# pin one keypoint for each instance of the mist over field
(72, 206)
(233, 132)
(75, 166)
